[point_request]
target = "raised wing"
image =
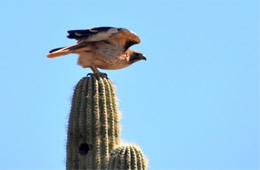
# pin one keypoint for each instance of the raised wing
(93, 34)
(117, 36)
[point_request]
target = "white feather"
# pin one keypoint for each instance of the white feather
(99, 36)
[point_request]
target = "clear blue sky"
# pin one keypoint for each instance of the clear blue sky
(193, 105)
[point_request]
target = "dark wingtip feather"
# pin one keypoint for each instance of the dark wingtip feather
(71, 36)
(78, 34)
(55, 49)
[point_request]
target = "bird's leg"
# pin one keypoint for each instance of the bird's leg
(95, 71)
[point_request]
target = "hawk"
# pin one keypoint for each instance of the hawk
(102, 47)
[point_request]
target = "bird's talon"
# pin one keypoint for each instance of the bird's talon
(89, 74)
(104, 75)
(99, 74)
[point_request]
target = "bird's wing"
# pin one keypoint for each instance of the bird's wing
(117, 36)
(93, 34)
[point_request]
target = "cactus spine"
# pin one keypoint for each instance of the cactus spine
(127, 157)
(94, 129)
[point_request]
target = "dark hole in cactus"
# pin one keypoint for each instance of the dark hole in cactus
(84, 148)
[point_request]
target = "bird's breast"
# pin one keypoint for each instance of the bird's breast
(105, 56)
(110, 60)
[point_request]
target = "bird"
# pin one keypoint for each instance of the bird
(102, 47)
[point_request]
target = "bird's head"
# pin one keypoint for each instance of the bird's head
(135, 56)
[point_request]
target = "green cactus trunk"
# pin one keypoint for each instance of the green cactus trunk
(126, 158)
(94, 129)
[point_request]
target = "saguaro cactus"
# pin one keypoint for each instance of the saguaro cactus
(94, 129)
(127, 157)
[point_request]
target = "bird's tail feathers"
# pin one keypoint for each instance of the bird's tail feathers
(75, 48)
(57, 52)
